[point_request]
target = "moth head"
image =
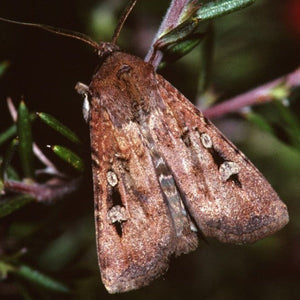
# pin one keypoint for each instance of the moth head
(105, 48)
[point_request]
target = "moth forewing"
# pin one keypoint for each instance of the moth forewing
(161, 171)
(223, 191)
(129, 243)
(136, 230)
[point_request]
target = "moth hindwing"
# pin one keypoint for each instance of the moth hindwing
(162, 172)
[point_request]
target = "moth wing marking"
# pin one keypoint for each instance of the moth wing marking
(135, 234)
(225, 194)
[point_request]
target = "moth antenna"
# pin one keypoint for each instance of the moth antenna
(59, 31)
(122, 20)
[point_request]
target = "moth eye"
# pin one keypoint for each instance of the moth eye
(123, 69)
(86, 108)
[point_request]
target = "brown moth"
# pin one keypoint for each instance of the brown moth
(163, 174)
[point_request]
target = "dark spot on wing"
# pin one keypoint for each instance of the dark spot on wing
(255, 222)
(98, 189)
(206, 120)
(217, 156)
(118, 227)
(116, 197)
(235, 179)
(140, 195)
(214, 223)
(246, 159)
(237, 151)
(162, 169)
(223, 138)
(186, 139)
(197, 112)
(117, 200)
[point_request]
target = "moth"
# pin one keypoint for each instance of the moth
(163, 174)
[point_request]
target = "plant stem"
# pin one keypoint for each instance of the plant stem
(170, 21)
(51, 169)
(44, 192)
(261, 94)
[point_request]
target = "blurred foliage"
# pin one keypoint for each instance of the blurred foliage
(69, 156)
(47, 250)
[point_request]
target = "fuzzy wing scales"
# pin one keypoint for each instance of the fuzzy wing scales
(134, 228)
(140, 218)
(225, 194)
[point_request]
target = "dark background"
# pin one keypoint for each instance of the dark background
(252, 47)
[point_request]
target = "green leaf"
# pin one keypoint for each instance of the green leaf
(5, 268)
(179, 33)
(289, 123)
(7, 134)
(177, 50)
(10, 204)
(61, 251)
(69, 156)
(59, 127)
(287, 116)
(12, 174)
(181, 40)
(206, 56)
(187, 35)
(220, 8)
(41, 279)
(25, 140)
(280, 92)
(259, 121)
